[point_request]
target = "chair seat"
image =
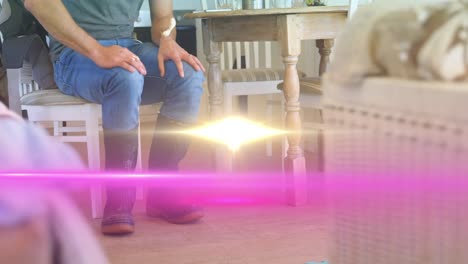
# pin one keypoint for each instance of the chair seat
(254, 75)
(51, 97)
(309, 85)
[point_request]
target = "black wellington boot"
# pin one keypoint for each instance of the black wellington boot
(121, 156)
(167, 150)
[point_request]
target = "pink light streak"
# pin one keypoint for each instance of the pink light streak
(202, 188)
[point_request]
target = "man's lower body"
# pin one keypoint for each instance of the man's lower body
(120, 93)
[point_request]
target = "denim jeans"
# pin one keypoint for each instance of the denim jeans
(121, 92)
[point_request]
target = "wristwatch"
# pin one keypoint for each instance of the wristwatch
(167, 32)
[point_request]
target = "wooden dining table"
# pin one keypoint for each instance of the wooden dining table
(288, 26)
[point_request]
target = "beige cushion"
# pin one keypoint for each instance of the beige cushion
(254, 75)
(403, 40)
(50, 97)
(309, 85)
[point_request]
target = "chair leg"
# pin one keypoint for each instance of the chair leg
(313, 140)
(223, 157)
(94, 158)
(243, 102)
(224, 160)
(227, 102)
(97, 203)
(310, 144)
(284, 149)
(269, 118)
(139, 166)
(92, 134)
(284, 140)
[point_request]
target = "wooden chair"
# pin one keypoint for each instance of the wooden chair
(247, 70)
(254, 77)
(53, 107)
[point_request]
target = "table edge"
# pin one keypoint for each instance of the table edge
(265, 12)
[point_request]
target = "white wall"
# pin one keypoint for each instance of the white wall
(187, 4)
(179, 4)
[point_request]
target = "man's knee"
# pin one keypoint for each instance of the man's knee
(125, 84)
(183, 95)
(193, 88)
(192, 74)
(122, 97)
(192, 81)
(195, 81)
(189, 72)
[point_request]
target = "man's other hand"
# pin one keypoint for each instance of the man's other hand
(116, 56)
(170, 50)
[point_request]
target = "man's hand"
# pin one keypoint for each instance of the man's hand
(170, 50)
(116, 56)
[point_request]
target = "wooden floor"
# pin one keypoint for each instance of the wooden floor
(227, 235)
(231, 234)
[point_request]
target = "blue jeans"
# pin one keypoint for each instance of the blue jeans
(121, 92)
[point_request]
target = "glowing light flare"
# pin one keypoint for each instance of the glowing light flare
(234, 132)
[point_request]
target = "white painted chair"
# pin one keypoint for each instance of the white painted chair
(247, 70)
(51, 107)
(253, 77)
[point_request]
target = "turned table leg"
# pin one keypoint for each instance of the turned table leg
(325, 47)
(215, 85)
(222, 156)
(294, 162)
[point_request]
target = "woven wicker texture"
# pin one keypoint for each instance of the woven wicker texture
(395, 159)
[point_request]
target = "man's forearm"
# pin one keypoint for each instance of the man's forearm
(56, 19)
(161, 15)
(158, 27)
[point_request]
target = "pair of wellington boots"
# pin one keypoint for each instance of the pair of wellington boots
(167, 149)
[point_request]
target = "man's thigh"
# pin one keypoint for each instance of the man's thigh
(79, 76)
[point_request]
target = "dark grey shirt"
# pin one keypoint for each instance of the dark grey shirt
(102, 19)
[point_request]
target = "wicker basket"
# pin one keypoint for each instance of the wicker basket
(396, 153)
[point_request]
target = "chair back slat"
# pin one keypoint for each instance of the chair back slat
(268, 63)
(36, 86)
(247, 55)
(222, 60)
(256, 55)
(238, 55)
(27, 85)
(22, 89)
(230, 55)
